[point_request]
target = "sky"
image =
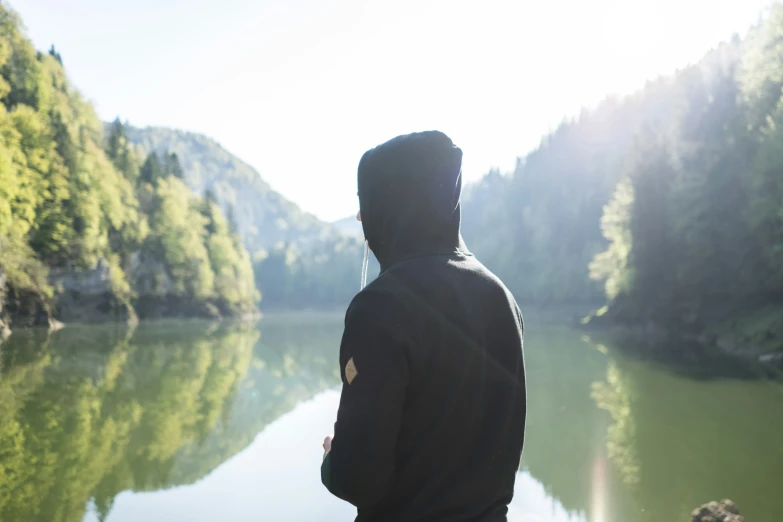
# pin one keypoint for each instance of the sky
(299, 89)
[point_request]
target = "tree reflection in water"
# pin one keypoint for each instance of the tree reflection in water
(88, 412)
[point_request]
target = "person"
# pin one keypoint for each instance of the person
(431, 420)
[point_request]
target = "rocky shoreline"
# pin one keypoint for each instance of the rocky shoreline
(690, 339)
(87, 296)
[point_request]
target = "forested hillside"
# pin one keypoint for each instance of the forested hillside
(263, 217)
(89, 234)
(324, 276)
(666, 204)
(300, 262)
(538, 227)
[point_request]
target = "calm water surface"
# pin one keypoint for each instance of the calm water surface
(197, 422)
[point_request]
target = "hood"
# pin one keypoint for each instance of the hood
(409, 191)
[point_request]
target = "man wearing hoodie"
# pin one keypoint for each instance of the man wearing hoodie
(432, 414)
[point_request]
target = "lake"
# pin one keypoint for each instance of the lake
(197, 422)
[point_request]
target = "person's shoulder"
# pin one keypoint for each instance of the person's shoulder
(382, 288)
(381, 306)
(392, 283)
(378, 298)
(492, 280)
(478, 268)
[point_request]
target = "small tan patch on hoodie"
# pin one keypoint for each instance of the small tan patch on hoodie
(350, 371)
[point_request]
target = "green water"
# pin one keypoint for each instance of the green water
(199, 422)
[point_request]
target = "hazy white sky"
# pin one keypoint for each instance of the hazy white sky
(300, 88)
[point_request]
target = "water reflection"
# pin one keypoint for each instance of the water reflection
(293, 360)
(617, 439)
(88, 412)
(565, 438)
(677, 442)
(192, 421)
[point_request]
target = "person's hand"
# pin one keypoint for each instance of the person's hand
(328, 444)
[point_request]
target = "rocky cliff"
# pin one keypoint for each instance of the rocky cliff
(89, 296)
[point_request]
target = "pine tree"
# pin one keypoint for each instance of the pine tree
(151, 170)
(119, 151)
(173, 167)
(53, 52)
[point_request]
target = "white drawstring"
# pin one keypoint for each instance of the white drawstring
(364, 264)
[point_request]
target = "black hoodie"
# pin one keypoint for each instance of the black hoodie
(432, 413)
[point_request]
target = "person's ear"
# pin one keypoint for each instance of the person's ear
(359, 216)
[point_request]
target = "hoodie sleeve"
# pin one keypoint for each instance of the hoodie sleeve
(374, 368)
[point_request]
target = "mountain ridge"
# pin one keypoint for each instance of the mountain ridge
(263, 216)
